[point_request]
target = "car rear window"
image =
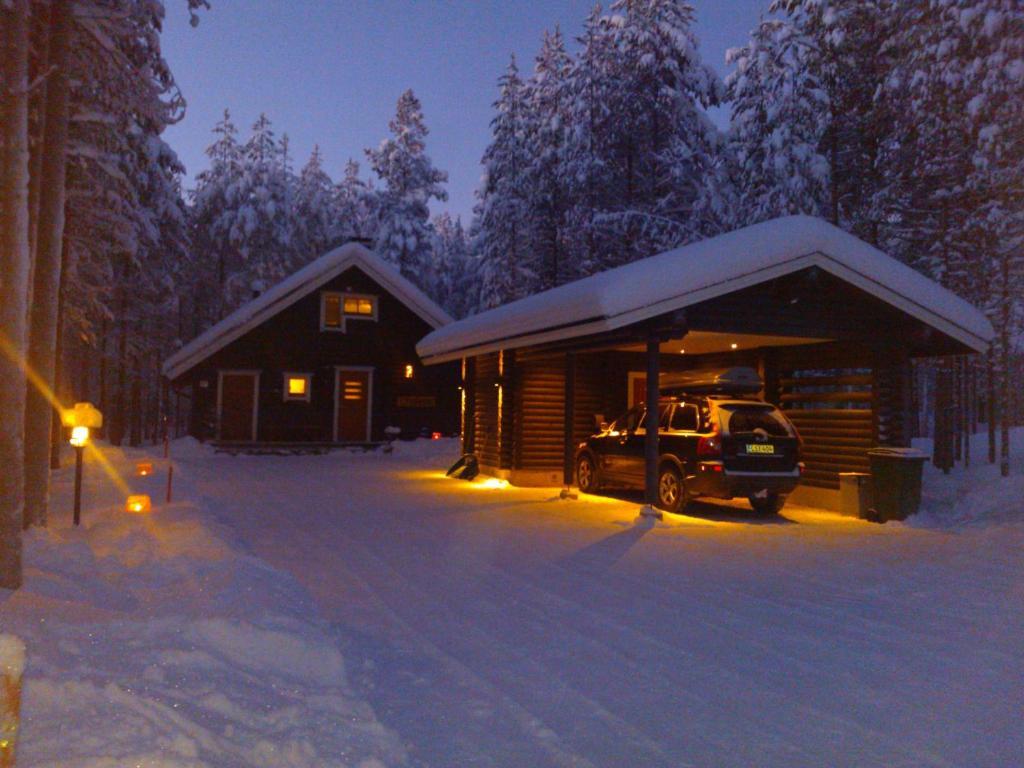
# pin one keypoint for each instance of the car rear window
(742, 419)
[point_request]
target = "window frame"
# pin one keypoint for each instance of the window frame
(287, 396)
(345, 316)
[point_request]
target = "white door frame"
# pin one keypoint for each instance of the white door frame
(255, 396)
(369, 396)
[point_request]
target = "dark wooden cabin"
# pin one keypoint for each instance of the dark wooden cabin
(830, 322)
(326, 356)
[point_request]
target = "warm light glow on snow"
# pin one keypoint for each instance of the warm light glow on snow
(139, 503)
(493, 482)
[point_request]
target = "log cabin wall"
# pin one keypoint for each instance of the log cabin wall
(538, 441)
(485, 411)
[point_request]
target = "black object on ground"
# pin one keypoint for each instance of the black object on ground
(466, 468)
(895, 482)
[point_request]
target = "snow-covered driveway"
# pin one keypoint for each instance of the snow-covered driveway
(501, 627)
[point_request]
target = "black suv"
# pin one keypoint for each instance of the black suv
(715, 439)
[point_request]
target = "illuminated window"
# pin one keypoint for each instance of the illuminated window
(297, 386)
(408, 370)
(336, 308)
(359, 305)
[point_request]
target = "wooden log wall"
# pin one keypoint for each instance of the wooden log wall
(485, 412)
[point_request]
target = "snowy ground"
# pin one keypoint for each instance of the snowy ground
(334, 609)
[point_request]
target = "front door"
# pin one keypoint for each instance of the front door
(237, 405)
(352, 411)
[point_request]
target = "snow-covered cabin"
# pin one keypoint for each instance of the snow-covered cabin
(325, 356)
(829, 321)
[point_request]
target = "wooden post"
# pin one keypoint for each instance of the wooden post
(570, 419)
(469, 393)
(12, 663)
(651, 438)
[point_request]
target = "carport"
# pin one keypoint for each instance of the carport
(830, 322)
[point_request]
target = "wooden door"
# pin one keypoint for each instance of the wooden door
(237, 406)
(353, 405)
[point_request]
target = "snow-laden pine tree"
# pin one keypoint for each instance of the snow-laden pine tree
(356, 207)
(410, 181)
(212, 215)
(452, 269)
(503, 225)
(587, 176)
(640, 91)
(848, 56)
(258, 215)
(547, 100)
(313, 215)
(778, 120)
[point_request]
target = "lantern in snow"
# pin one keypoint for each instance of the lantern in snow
(144, 468)
(139, 503)
(435, 436)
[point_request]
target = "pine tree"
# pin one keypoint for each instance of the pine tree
(313, 213)
(356, 206)
(503, 236)
(546, 97)
(410, 183)
(453, 270)
(778, 120)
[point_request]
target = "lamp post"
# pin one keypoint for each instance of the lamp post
(79, 437)
(80, 419)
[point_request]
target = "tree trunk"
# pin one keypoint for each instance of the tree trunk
(14, 276)
(46, 276)
(991, 404)
(1007, 301)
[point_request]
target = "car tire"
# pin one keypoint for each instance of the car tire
(586, 474)
(671, 489)
(770, 505)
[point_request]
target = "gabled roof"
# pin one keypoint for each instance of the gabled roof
(700, 271)
(295, 287)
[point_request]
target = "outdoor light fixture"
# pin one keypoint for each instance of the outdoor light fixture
(139, 503)
(682, 351)
(408, 370)
(297, 385)
(734, 345)
(435, 436)
(144, 468)
(79, 436)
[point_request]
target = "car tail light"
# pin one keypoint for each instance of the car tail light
(710, 445)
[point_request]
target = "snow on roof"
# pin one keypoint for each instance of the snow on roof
(693, 273)
(295, 287)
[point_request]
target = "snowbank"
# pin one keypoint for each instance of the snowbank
(157, 641)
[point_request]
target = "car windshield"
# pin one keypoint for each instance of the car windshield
(743, 419)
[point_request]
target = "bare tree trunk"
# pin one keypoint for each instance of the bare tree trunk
(990, 373)
(40, 42)
(46, 276)
(15, 263)
(1007, 300)
(135, 432)
(119, 423)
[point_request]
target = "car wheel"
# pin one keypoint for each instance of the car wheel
(671, 490)
(586, 474)
(770, 505)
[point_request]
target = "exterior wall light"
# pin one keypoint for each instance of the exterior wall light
(408, 370)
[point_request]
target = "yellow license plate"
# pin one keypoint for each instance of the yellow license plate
(760, 448)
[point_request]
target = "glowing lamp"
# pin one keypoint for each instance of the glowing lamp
(144, 468)
(82, 415)
(297, 385)
(79, 436)
(408, 370)
(435, 436)
(139, 504)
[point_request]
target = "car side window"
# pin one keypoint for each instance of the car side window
(685, 418)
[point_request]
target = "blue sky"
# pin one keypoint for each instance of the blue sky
(329, 72)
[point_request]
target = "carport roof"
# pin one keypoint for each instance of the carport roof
(704, 270)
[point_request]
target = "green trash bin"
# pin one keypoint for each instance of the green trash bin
(896, 482)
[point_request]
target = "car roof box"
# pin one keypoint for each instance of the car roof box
(712, 381)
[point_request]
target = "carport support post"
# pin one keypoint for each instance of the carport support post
(651, 424)
(568, 468)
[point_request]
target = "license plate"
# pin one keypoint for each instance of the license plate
(760, 448)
